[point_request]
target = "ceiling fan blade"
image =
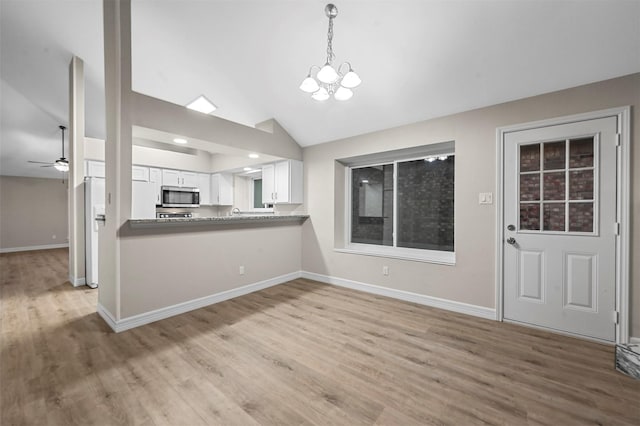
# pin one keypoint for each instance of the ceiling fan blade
(47, 165)
(40, 162)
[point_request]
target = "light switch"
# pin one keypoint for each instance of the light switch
(485, 198)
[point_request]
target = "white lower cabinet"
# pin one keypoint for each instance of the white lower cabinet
(204, 185)
(282, 182)
(222, 189)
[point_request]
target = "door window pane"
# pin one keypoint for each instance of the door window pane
(530, 187)
(581, 217)
(554, 186)
(530, 158)
(581, 185)
(425, 203)
(554, 155)
(553, 217)
(581, 153)
(372, 205)
(530, 217)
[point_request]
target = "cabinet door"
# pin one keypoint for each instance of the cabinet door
(204, 184)
(226, 189)
(215, 189)
(268, 183)
(296, 195)
(155, 177)
(189, 179)
(171, 177)
(96, 169)
(140, 173)
(282, 182)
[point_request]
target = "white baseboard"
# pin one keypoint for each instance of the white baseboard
(435, 302)
(77, 282)
(31, 248)
(180, 308)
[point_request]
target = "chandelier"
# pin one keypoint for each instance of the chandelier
(329, 80)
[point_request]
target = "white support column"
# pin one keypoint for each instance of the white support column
(117, 60)
(76, 171)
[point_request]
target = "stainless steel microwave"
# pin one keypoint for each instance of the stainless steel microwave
(176, 196)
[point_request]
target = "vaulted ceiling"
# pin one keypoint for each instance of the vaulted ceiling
(417, 60)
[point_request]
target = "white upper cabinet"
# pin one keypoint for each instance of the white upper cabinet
(282, 182)
(179, 178)
(140, 173)
(155, 177)
(204, 185)
(189, 179)
(96, 168)
(222, 189)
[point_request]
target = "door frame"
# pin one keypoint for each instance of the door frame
(623, 209)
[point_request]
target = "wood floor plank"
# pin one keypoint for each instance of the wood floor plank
(298, 353)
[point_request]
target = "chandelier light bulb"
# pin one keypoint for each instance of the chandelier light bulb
(343, 94)
(327, 74)
(351, 80)
(321, 95)
(309, 85)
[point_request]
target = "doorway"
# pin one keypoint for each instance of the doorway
(563, 232)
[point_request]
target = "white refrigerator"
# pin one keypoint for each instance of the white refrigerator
(94, 199)
(143, 206)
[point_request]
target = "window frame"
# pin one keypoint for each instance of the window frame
(395, 252)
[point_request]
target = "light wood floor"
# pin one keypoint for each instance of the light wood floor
(298, 353)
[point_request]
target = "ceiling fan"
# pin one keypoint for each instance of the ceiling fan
(61, 164)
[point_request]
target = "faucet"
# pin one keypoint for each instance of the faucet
(235, 211)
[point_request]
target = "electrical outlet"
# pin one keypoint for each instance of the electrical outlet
(385, 270)
(242, 270)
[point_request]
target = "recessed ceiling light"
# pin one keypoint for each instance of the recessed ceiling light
(246, 169)
(180, 140)
(203, 105)
(254, 171)
(253, 155)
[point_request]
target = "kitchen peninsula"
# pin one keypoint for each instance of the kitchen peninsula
(247, 220)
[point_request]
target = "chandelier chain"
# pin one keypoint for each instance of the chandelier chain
(330, 55)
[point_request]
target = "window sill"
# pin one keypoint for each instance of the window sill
(426, 256)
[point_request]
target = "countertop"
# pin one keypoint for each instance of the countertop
(217, 220)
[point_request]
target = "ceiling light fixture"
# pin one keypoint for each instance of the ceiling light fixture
(329, 80)
(203, 105)
(246, 169)
(252, 155)
(180, 141)
(62, 164)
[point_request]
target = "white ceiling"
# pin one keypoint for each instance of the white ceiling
(417, 60)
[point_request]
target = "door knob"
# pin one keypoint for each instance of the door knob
(511, 240)
(511, 228)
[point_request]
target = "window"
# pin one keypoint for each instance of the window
(403, 208)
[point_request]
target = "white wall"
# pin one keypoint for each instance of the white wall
(472, 279)
(164, 267)
(32, 212)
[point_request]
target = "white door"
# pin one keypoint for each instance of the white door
(560, 220)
